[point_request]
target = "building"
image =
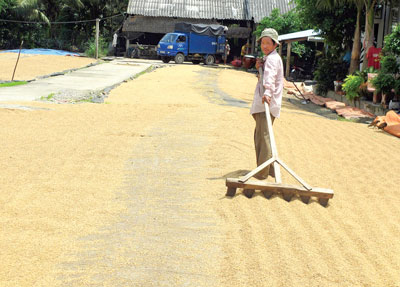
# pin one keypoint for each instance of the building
(149, 20)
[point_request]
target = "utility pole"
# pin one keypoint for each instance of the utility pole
(97, 37)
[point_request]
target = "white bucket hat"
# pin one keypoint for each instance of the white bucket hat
(269, 32)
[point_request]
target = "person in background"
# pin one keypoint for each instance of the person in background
(227, 51)
(114, 43)
(244, 51)
(269, 89)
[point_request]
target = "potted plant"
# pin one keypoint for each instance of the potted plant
(384, 83)
(351, 86)
(385, 80)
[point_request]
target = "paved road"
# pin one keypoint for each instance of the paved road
(95, 78)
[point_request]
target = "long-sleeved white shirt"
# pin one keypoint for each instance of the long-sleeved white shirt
(271, 86)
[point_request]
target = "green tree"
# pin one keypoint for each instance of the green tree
(55, 35)
(283, 24)
(369, 25)
(337, 34)
(92, 9)
(11, 34)
(369, 7)
(356, 50)
(332, 5)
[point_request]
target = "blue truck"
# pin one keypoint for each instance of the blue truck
(193, 42)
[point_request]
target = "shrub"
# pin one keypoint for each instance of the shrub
(392, 42)
(329, 69)
(384, 83)
(352, 85)
(90, 50)
(389, 64)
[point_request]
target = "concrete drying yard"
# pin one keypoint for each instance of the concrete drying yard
(131, 192)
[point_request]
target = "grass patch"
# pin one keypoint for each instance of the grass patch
(12, 84)
(148, 70)
(47, 98)
(88, 100)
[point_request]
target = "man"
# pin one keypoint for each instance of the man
(269, 89)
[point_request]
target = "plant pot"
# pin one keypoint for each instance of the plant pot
(394, 105)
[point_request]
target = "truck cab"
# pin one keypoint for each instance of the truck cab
(187, 43)
(172, 44)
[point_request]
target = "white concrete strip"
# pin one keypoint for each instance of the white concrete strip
(95, 78)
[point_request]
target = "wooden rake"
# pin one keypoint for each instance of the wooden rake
(305, 191)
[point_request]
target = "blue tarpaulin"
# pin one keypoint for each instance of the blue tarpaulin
(42, 52)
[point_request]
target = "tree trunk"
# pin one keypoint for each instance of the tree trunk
(369, 29)
(356, 50)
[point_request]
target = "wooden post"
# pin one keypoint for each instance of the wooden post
(127, 47)
(289, 46)
(254, 37)
(19, 53)
(97, 37)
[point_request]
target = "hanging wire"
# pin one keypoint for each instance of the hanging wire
(63, 22)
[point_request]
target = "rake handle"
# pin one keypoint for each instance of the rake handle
(274, 150)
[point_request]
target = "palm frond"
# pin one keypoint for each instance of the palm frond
(30, 10)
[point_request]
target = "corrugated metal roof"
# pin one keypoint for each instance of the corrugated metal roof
(299, 35)
(258, 9)
(208, 9)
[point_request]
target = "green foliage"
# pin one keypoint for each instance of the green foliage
(283, 24)
(59, 36)
(392, 42)
(7, 32)
(386, 80)
(397, 86)
(337, 25)
(389, 64)
(329, 68)
(384, 83)
(91, 47)
(299, 49)
(352, 85)
(364, 73)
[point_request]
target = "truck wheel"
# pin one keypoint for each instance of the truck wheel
(196, 62)
(179, 58)
(166, 59)
(209, 60)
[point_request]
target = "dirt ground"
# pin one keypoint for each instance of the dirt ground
(132, 192)
(32, 66)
